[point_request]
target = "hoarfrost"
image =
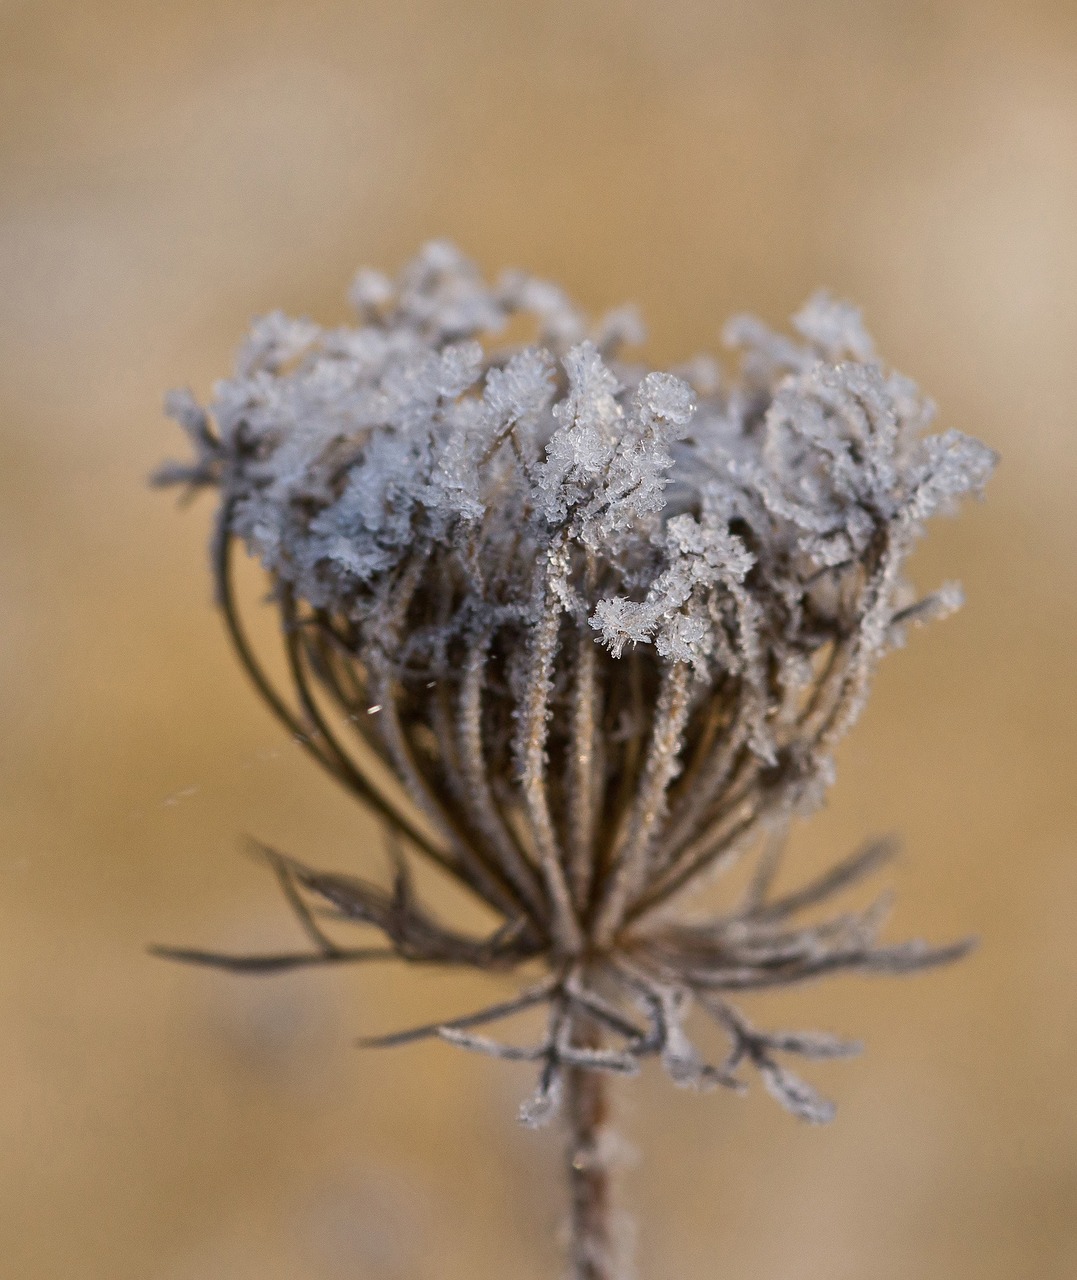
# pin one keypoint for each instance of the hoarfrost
(613, 622)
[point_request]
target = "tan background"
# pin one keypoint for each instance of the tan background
(171, 169)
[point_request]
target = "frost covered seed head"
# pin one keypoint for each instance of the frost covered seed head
(580, 634)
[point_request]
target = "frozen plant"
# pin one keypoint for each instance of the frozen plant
(582, 636)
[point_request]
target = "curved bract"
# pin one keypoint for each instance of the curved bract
(580, 633)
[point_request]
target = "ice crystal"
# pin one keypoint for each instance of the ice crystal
(603, 626)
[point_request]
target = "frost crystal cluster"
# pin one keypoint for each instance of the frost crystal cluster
(581, 634)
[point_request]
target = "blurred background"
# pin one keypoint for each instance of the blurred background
(168, 171)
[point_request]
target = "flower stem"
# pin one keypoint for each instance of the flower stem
(592, 1252)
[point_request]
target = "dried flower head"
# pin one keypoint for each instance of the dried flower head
(580, 634)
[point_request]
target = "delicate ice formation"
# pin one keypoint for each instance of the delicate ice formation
(609, 623)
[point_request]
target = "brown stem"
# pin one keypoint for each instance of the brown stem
(592, 1248)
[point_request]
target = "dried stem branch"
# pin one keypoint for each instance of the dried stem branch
(592, 1247)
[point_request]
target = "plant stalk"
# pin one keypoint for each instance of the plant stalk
(592, 1251)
